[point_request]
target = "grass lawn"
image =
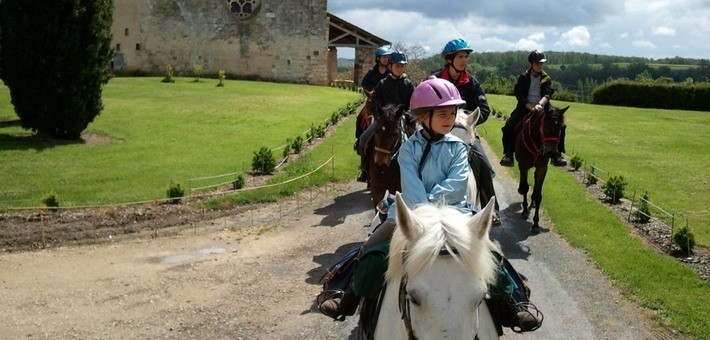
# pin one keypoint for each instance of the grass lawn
(662, 152)
(654, 280)
(151, 134)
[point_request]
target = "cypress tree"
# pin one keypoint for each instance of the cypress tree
(55, 58)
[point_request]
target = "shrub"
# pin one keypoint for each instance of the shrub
(316, 132)
(642, 213)
(238, 183)
(221, 77)
(197, 71)
(334, 118)
(263, 161)
(297, 144)
(685, 239)
(287, 149)
(168, 74)
(51, 201)
(576, 162)
(175, 191)
(591, 177)
(614, 189)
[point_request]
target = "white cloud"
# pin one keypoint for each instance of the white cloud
(577, 36)
(528, 45)
(664, 31)
(643, 44)
(624, 35)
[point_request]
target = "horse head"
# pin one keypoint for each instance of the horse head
(551, 127)
(465, 126)
(440, 260)
(389, 134)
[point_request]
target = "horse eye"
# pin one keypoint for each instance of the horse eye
(413, 299)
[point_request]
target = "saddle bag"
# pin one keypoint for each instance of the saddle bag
(336, 283)
(510, 304)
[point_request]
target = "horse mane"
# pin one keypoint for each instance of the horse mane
(441, 227)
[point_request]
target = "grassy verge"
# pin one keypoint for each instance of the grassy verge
(662, 152)
(654, 280)
(344, 167)
(151, 134)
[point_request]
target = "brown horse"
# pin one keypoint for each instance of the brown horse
(390, 133)
(535, 144)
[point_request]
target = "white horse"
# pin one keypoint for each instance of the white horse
(465, 129)
(439, 269)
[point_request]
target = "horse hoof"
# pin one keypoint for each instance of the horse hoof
(535, 230)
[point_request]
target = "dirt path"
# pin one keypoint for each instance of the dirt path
(222, 279)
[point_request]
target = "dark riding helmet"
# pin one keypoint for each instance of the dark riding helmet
(381, 51)
(537, 56)
(397, 57)
(456, 45)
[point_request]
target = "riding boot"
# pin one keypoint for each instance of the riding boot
(507, 160)
(559, 160)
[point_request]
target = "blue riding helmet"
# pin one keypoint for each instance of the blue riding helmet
(456, 45)
(397, 57)
(380, 52)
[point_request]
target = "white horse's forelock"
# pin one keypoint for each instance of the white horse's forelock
(439, 227)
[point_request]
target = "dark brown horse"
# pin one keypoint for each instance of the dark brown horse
(391, 131)
(536, 143)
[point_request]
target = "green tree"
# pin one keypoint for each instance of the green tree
(55, 59)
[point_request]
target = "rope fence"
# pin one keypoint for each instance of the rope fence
(641, 210)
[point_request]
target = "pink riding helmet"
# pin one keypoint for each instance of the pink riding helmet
(432, 93)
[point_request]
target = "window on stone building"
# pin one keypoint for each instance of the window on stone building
(138, 47)
(118, 47)
(315, 53)
(244, 9)
(125, 32)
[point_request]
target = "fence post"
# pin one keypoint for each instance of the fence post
(41, 228)
(633, 200)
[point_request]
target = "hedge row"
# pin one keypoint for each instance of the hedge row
(673, 96)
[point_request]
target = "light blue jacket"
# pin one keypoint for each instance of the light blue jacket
(444, 174)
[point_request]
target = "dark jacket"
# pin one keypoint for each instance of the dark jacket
(522, 86)
(392, 91)
(372, 77)
(470, 90)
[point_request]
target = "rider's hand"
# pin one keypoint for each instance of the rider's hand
(538, 107)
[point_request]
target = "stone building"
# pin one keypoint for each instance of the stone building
(274, 40)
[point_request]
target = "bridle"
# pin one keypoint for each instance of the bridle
(537, 146)
(404, 299)
(394, 152)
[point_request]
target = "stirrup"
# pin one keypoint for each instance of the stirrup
(531, 317)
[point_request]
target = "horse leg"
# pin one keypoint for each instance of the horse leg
(536, 196)
(523, 188)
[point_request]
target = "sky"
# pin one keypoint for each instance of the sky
(638, 28)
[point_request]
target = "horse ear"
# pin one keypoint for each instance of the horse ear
(562, 111)
(472, 118)
(405, 223)
(481, 222)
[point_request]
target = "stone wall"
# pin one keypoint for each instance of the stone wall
(276, 40)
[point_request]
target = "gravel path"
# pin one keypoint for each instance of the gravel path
(224, 278)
